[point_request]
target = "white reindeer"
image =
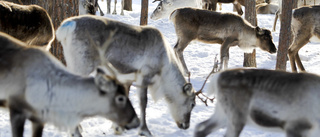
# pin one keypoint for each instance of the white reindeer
(36, 86)
(133, 49)
(226, 29)
(305, 27)
(28, 23)
(273, 100)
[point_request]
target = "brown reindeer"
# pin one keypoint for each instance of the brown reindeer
(305, 27)
(28, 23)
(226, 29)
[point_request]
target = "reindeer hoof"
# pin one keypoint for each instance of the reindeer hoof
(114, 13)
(146, 133)
(117, 129)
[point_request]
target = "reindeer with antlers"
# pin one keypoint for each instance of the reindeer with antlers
(134, 49)
(36, 86)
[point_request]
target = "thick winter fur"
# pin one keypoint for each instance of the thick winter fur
(299, 4)
(274, 100)
(223, 28)
(28, 23)
(305, 27)
(133, 49)
(36, 86)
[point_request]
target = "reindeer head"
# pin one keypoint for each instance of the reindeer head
(164, 8)
(179, 95)
(110, 83)
(264, 40)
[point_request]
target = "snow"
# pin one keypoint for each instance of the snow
(199, 58)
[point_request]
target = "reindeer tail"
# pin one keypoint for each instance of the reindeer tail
(66, 29)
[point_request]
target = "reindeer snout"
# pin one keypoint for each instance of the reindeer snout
(183, 125)
(133, 124)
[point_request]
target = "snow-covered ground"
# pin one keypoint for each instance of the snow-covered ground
(199, 58)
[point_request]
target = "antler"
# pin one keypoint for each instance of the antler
(156, 0)
(214, 69)
(102, 49)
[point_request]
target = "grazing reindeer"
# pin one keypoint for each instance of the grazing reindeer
(133, 49)
(28, 23)
(305, 27)
(214, 27)
(36, 86)
(264, 98)
(300, 4)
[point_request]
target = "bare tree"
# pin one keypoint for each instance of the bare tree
(127, 5)
(251, 16)
(144, 12)
(285, 34)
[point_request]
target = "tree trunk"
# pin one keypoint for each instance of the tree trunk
(58, 11)
(285, 34)
(251, 16)
(127, 5)
(144, 12)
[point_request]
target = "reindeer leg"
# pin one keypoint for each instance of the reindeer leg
(144, 131)
(224, 53)
(37, 129)
(275, 20)
(216, 121)
(122, 6)
(214, 5)
(17, 119)
(238, 8)
(179, 48)
(298, 128)
(298, 42)
(235, 125)
(115, 7)
(76, 132)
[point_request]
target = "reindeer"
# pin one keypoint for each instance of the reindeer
(28, 23)
(133, 49)
(226, 29)
(305, 27)
(36, 86)
(300, 4)
(270, 99)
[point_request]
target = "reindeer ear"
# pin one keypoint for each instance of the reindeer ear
(187, 89)
(259, 31)
(104, 83)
